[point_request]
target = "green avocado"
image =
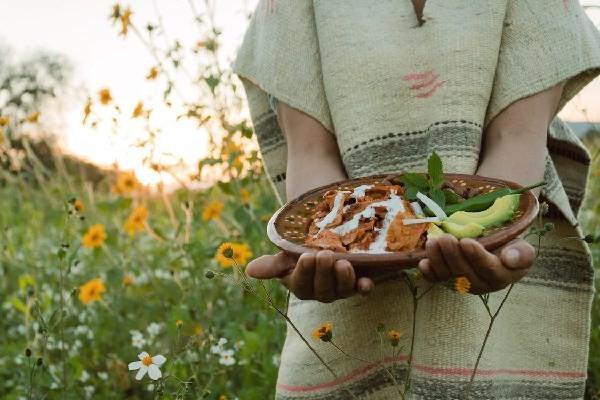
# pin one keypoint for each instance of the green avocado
(434, 231)
(498, 213)
(470, 230)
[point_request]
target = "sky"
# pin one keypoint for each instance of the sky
(81, 30)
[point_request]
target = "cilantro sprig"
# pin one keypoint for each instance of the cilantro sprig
(430, 183)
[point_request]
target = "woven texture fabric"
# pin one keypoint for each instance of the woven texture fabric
(392, 92)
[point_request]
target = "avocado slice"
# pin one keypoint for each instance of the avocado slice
(498, 213)
(470, 230)
(434, 231)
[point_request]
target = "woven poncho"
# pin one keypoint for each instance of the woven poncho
(392, 92)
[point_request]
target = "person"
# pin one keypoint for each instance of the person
(339, 89)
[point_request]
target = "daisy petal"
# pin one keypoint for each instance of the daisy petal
(142, 371)
(159, 360)
(135, 365)
(143, 355)
(153, 372)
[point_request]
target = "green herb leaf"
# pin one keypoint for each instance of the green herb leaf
(413, 179)
(438, 196)
(411, 193)
(435, 170)
(452, 197)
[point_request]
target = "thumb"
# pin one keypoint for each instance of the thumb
(518, 255)
(268, 266)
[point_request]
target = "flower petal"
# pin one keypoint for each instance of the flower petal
(154, 372)
(135, 365)
(143, 355)
(159, 360)
(142, 371)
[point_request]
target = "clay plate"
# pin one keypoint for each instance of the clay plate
(289, 225)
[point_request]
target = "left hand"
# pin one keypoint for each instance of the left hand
(449, 258)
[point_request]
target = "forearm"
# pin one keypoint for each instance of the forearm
(313, 157)
(514, 146)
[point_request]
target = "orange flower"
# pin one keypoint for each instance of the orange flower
(212, 210)
(104, 96)
(78, 206)
(462, 285)
(91, 291)
(94, 237)
(4, 121)
(125, 20)
(152, 74)
(136, 222)
(126, 183)
(323, 332)
(228, 252)
(394, 337)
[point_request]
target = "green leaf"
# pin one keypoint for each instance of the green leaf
(411, 193)
(413, 179)
(437, 195)
(435, 170)
(452, 197)
(212, 82)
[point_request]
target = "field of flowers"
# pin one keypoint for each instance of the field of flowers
(110, 290)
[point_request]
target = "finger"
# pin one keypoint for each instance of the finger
(324, 286)
(345, 279)
(425, 268)
(518, 255)
(486, 265)
(267, 267)
(364, 285)
(438, 265)
(459, 265)
(301, 281)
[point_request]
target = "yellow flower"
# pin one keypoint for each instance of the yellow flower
(237, 163)
(245, 195)
(198, 329)
(33, 117)
(91, 291)
(462, 285)
(212, 210)
(126, 183)
(324, 332)
(136, 222)
(104, 96)
(125, 20)
(228, 252)
(94, 237)
(394, 337)
(127, 280)
(222, 397)
(179, 323)
(152, 74)
(78, 206)
(4, 121)
(138, 111)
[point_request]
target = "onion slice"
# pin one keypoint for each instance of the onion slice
(413, 221)
(416, 207)
(433, 206)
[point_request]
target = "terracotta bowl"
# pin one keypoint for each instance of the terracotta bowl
(288, 227)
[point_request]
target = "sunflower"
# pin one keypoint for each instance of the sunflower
(138, 111)
(394, 337)
(104, 96)
(94, 237)
(126, 183)
(91, 291)
(152, 74)
(228, 252)
(212, 210)
(136, 222)
(323, 332)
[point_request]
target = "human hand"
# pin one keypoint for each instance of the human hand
(448, 258)
(315, 276)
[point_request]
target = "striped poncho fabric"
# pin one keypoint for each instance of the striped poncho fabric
(392, 92)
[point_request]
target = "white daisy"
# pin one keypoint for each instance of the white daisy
(148, 364)
(226, 358)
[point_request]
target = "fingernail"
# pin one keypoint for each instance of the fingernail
(512, 257)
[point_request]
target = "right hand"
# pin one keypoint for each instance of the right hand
(315, 276)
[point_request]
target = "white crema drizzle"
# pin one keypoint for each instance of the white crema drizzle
(329, 218)
(394, 206)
